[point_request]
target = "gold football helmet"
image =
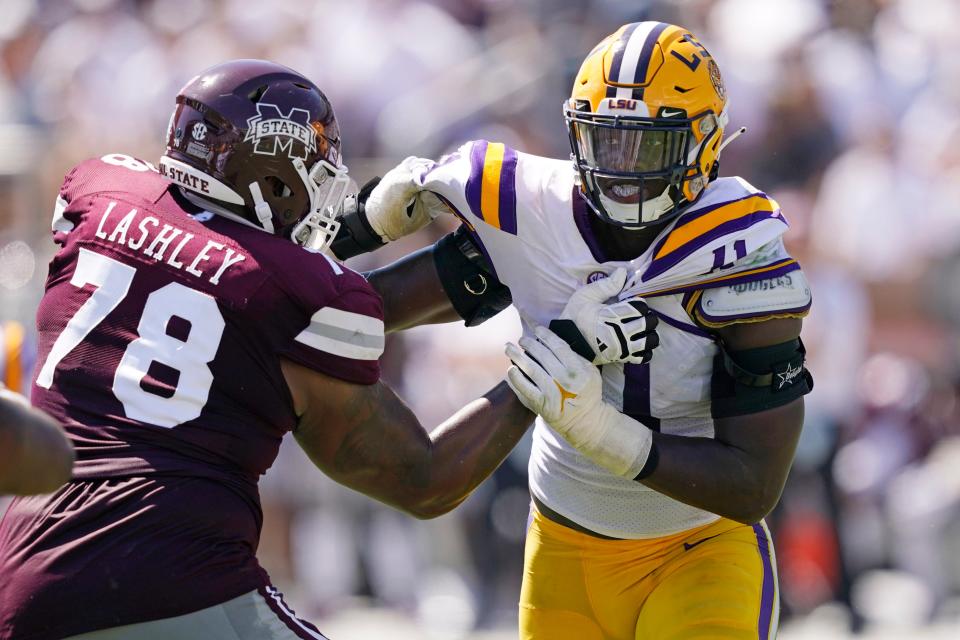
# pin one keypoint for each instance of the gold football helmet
(646, 118)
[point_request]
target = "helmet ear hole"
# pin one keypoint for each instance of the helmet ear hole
(278, 187)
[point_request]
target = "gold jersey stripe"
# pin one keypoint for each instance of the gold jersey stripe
(490, 186)
(13, 349)
(705, 223)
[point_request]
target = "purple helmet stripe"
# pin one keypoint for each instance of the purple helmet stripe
(618, 57)
(643, 64)
(508, 191)
(478, 152)
(767, 588)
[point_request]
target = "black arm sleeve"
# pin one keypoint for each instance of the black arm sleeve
(755, 380)
(467, 278)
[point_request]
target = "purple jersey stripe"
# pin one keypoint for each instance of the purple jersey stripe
(617, 61)
(636, 394)
(772, 270)
(683, 326)
(693, 215)
(581, 216)
(767, 588)
(508, 191)
(690, 217)
(478, 152)
(678, 255)
(643, 64)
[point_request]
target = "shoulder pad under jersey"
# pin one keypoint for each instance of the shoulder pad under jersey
(114, 173)
(783, 296)
(123, 177)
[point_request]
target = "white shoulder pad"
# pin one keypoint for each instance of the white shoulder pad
(786, 295)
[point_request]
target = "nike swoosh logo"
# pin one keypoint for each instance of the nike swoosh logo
(687, 546)
(670, 114)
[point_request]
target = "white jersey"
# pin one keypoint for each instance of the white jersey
(721, 260)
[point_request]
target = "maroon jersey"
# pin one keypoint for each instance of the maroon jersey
(161, 334)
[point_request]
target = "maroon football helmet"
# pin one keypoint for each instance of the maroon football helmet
(258, 143)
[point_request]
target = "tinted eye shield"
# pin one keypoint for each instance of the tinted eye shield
(638, 164)
(629, 148)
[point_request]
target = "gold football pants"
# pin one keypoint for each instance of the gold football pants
(715, 581)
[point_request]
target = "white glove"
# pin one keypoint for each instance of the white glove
(566, 391)
(397, 207)
(624, 331)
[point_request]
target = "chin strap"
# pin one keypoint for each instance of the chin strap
(261, 208)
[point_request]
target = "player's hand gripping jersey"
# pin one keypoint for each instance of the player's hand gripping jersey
(721, 261)
(161, 334)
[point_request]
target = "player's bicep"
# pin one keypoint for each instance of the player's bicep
(449, 281)
(362, 436)
(412, 292)
(758, 387)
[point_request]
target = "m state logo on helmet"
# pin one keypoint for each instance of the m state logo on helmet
(646, 118)
(258, 143)
(272, 131)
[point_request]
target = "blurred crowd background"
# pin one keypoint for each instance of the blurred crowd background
(853, 116)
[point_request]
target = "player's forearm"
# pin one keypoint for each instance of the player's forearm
(429, 475)
(35, 455)
(412, 293)
(470, 445)
(714, 476)
(368, 439)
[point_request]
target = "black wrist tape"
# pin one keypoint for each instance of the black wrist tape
(355, 235)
